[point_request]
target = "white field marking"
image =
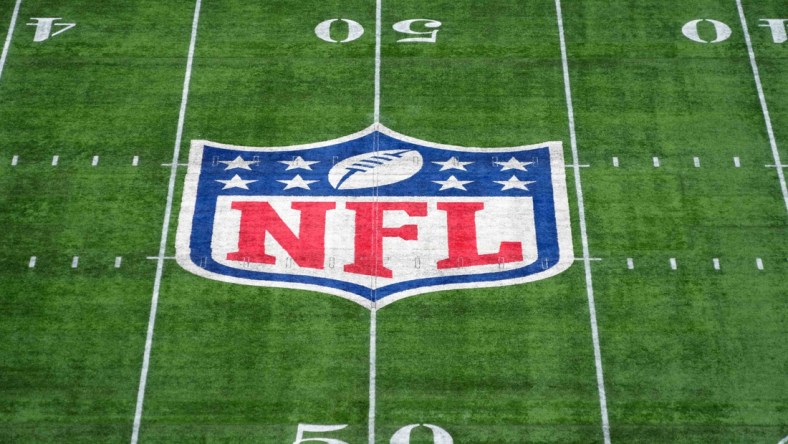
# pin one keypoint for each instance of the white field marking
(764, 107)
(378, 13)
(776, 166)
(783, 441)
(615, 162)
(716, 262)
(696, 162)
(135, 160)
(165, 228)
(177, 164)
(156, 258)
(118, 261)
(630, 263)
(8, 36)
(673, 264)
(759, 263)
(75, 262)
(373, 320)
(32, 263)
(14, 160)
(655, 160)
(594, 259)
(577, 166)
(95, 161)
(373, 334)
(736, 162)
(600, 379)
(55, 160)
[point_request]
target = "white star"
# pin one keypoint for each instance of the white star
(453, 164)
(513, 183)
(238, 162)
(236, 182)
(297, 182)
(513, 164)
(452, 182)
(297, 163)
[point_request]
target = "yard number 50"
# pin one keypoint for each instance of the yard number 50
(355, 30)
(401, 436)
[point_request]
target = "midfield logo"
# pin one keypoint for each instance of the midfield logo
(375, 216)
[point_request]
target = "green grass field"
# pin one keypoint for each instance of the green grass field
(691, 355)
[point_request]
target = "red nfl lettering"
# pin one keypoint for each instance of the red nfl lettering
(370, 233)
(259, 218)
(463, 249)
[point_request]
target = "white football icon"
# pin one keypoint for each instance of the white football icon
(375, 169)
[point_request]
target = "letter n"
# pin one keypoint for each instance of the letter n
(259, 218)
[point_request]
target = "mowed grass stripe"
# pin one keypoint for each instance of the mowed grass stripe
(102, 88)
(248, 364)
(512, 364)
(675, 340)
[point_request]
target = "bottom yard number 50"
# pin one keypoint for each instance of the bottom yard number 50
(401, 436)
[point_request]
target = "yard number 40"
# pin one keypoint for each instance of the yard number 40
(323, 30)
(401, 436)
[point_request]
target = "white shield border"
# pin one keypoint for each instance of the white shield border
(560, 203)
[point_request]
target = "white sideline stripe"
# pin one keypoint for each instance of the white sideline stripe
(165, 229)
(759, 263)
(95, 161)
(75, 262)
(655, 160)
(32, 263)
(716, 262)
(630, 263)
(736, 162)
(673, 264)
(600, 379)
(14, 160)
(615, 162)
(135, 161)
(8, 36)
(55, 160)
(696, 161)
(764, 107)
(118, 261)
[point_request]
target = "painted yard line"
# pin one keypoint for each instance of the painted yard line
(696, 162)
(764, 107)
(118, 261)
(95, 161)
(32, 263)
(156, 258)
(673, 264)
(776, 166)
(737, 162)
(577, 166)
(373, 319)
(615, 162)
(14, 160)
(630, 263)
(75, 262)
(655, 161)
(165, 228)
(759, 263)
(55, 160)
(716, 262)
(135, 161)
(9, 36)
(177, 165)
(600, 379)
(783, 441)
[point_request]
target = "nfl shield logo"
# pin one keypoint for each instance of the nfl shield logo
(375, 216)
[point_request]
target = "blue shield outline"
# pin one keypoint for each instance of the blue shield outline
(194, 240)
